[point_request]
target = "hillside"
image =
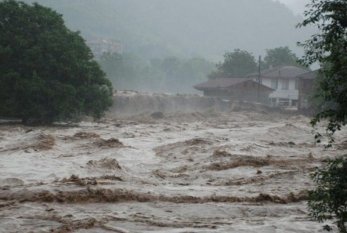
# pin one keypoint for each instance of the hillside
(157, 28)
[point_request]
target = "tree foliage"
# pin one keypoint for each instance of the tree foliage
(280, 56)
(329, 199)
(237, 63)
(329, 48)
(47, 73)
(241, 63)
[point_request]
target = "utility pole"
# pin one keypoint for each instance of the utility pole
(259, 71)
(259, 78)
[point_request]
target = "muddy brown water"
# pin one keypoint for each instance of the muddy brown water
(192, 172)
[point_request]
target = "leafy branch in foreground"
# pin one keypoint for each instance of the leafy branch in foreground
(329, 49)
(329, 199)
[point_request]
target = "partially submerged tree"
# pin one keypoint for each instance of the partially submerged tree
(47, 72)
(329, 48)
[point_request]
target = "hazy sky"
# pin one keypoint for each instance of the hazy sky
(298, 6)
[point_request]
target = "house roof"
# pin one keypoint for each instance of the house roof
(219, 83)
(285, 72)
(224, 83)
(309, 75)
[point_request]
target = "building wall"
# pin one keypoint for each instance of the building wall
(217, 93)
(242, 92)
(288, 97)
(250, 92)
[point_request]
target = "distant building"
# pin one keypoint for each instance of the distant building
(306, 88)
(284, 80)
(241, 89)
(102, 45)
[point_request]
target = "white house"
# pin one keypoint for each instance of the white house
(284, 80)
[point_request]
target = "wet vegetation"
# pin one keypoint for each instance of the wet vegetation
(47, 71)
(329, 48)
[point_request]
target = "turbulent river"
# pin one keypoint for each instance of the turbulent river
(242, 171)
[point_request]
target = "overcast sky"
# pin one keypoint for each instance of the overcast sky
(298, 6)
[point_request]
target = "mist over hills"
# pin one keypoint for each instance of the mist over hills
(186, 28)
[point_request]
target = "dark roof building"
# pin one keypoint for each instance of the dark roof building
(219, 83)
(241, 89)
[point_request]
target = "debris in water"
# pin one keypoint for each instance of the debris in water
(106, 163)
(109, 143)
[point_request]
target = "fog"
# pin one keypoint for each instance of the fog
(143, 31)
(191, 28)
(297, 6)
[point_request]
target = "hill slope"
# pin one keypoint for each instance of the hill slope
(207, 28)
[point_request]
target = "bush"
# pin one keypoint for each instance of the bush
(329, 199)
(47, 73)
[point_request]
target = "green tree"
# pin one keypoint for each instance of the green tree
(237, 63)
(329, 199)
(329, 48)
(47, 73)
(280, 56)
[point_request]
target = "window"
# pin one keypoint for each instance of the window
(296, 84)
(283, 102)
(285, 84)
(274, 84)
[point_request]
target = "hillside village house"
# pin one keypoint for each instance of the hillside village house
(100, 46)
(285, 82)
(286, 86)
(240, 89)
